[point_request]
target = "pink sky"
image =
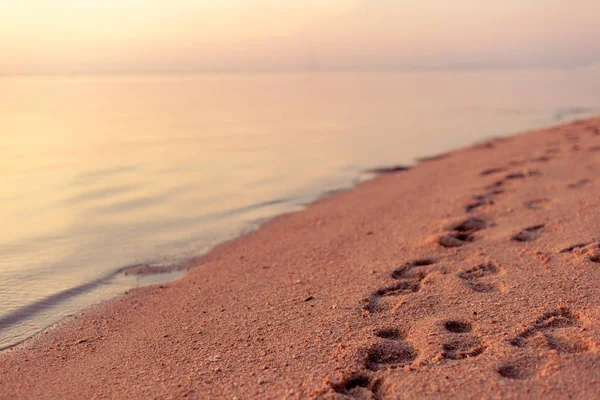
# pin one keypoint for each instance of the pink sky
(232, 35)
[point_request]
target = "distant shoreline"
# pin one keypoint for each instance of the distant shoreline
(292, 71)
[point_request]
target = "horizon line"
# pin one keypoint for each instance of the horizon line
(458, 67)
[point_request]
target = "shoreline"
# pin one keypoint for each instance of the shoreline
(71, 294)
(258, 285)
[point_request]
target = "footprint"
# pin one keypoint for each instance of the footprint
(528, 234)
(594, 149)
(463, 232)
(591, 251)
(492, 171)
(517, 370)
(455, 239)
(481, 287)
(489, 194)
(541, 159)
(495, 185)
(464, 347)
(483, 199)
(458, 326)
(475, 205)
(479, 271)
(547, 328)
(408, 276)
(407, 271)
(390, 333)
(573, 247)
(515, 175)
(522, 175)
(389, 354)
(399, 288)
(559, 318)
(578, 184)
(564, 345)
(359, 385)
(461, 344)
(473, 277)
(471, 224)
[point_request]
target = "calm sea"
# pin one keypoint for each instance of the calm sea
(97, 173)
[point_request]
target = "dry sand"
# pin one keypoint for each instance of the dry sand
(474, 275)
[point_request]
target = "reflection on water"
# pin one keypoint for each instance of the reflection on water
(101, 172)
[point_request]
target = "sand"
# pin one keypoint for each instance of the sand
(472, 275)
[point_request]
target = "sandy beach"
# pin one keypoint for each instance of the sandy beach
(475, 274)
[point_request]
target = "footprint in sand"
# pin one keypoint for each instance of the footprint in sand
(546, 326)
(528, 234)
(550, 331)
(484, 199)
(580, 183)
(515, 175)
(541, 159)
(408, 276)
(410, 271)
(389, 353)
(519, 369)
(573, 247)
(463, 232)
(522, 175)
(461, 343)
(494, 187)
(591, 251)
(360, 385)
(461, 348)
(477, 278)
(390, 333)
(492, 171)
(457, 327)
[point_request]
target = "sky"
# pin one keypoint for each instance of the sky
(71, 36)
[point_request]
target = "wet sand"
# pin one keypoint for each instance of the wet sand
(473, 275)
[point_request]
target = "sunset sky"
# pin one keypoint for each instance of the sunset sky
(41, 36)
